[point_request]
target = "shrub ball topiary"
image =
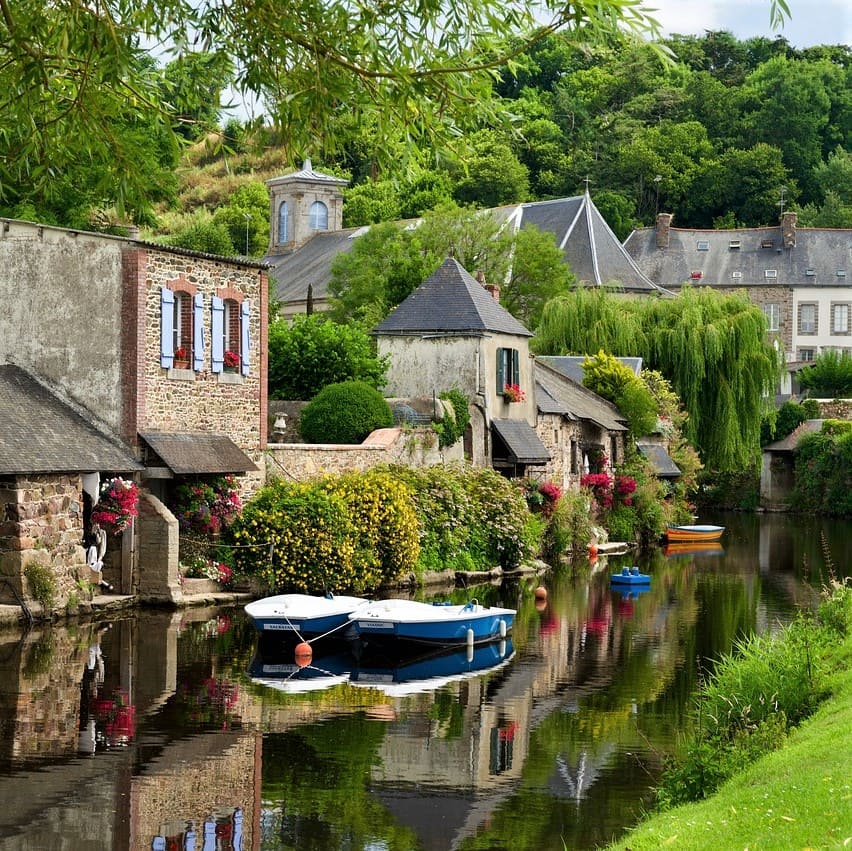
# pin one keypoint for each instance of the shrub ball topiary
(344, 413)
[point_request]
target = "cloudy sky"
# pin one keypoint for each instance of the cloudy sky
(811, 22)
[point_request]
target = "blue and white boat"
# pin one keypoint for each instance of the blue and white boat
(275, 672)
(303, 615)
(443, 624)
(397, 677)
(630, 576)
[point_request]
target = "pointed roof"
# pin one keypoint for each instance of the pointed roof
(450, 301)
(307, 175)
(591, 249)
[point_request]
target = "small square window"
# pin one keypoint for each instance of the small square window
(767, 243)
(841, 273)
(736, 274)
(770, 273)
(734, 244)
(703, 245)
(810, 273)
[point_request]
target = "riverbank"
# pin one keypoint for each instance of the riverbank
(797, 797)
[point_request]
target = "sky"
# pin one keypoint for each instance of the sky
(812, 22)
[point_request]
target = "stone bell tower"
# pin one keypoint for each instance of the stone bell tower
(302, 204)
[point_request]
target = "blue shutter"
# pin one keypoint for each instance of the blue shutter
(217, 334)
(245, 337)
(501, 369)
(516, 366)
(198, 332)
(167, 321)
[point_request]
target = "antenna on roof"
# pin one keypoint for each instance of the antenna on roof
(586, 180)
(782, 190)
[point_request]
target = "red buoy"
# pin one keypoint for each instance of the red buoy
(304, 654)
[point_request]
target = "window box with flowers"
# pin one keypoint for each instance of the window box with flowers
(513, 393)
(181, 359)
(117, 506)
(231, 361)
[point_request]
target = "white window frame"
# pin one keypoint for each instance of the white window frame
(840, 318)
(808, 327)
(772, 311)
(318, 216)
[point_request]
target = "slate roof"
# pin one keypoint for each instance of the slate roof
(40, 433)
(198, 454)
(823, 251)
(591, 249)
(308, 174)
(450, 301)
(789, 443)
(660, 460)
(521, 440)
(572, 366)
(556, 393)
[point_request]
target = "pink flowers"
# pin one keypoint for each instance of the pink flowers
(231, 359)
(118, 505)
(606, 490)
(513, 393)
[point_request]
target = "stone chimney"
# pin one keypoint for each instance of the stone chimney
(664, 224)
(491, 288)
(788, 229)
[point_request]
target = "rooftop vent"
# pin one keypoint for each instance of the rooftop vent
(736, 274)
(770, 273)
(734, 244)
(703, 245)
(767, 243)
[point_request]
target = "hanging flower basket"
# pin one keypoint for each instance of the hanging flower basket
(181, 360)
(117, 506)
(513, 393)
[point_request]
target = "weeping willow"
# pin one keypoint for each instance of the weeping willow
(712, 348)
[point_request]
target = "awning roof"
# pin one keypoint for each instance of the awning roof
(198, 454)
(660, 460)
(521, 441)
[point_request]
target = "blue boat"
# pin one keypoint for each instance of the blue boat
(400, 676)
(303, 615)
(443, 624)
(630, 576)
(281, 672)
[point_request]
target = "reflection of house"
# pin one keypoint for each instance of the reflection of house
(798, 276)
(777, 472)
(452, 333)
(130, 357)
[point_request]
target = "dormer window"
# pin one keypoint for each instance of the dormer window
(318, 216)
(734, 245)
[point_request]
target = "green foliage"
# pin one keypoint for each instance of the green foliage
(823, 471)
(569, 528)
(246, 218)
(790, 415)
(830, 375)
(313, 352)
(192, 88)
(738, 490)
(451, 428)
(492, 174)
(345, 412)
(204, 234)
(42, 584)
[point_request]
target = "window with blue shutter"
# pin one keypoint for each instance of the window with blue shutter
(245, 337)
(167, 319)
(508, 368)
(198, 332)
(217, 334)
(501, 369)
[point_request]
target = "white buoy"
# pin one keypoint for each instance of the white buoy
(502, 629)
(502, 649)
(469, 637)
(470, 652)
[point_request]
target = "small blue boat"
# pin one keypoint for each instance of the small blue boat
(432, 623)
(630, 576)
(302, 615)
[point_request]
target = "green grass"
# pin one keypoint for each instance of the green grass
(799, 797)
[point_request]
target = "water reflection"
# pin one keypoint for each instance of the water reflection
(178, 730)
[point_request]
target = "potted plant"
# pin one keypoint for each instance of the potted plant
(231, 360)
(513, 393)
(181, 360)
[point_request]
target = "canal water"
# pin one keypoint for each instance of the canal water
(179, 730)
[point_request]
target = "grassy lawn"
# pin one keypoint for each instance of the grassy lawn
(798, 797)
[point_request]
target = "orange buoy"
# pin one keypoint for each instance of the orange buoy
(541, 593)
(593, 549)
(304, 654)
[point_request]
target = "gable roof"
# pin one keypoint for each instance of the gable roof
(591, 249)
(522, 444)
(741, 257)
(450, 301)
(197, 454)
(40, 433)
(558, 394)
(571, 366)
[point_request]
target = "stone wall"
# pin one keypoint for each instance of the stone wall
(835, 409)
(41, 523)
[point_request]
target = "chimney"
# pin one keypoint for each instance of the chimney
(491, 288)
(788, 230)
(664, 224)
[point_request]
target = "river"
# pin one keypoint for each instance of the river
(179, 730)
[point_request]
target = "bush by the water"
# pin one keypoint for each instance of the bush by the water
(344, 413)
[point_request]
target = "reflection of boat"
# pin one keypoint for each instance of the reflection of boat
(694, 548)
(274, 670)
(630, 576)
(699, 532)
(302, 614)
(432, 623)
(397, 676)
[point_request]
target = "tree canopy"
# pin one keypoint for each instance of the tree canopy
(711, 347)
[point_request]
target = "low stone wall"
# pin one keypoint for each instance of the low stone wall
(835, 409)
(301, 462)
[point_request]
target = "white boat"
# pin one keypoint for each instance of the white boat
(432, 623)
(303, 615)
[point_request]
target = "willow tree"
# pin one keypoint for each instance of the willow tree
(712, 347)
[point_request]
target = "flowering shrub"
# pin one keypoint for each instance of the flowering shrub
(541, 496)
(513, 393)
(205, 568)
(117, 506)
(600, 484)
(231, 359)
(206, 505)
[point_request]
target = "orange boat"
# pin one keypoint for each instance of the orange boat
(678, 534)
(694, 548)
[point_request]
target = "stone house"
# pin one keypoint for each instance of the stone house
(159, 353)
(798, 276)
(451, 332)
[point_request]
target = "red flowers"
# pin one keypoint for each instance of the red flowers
(118, 505)
(607, 490)
(231, 359)
(513, 393)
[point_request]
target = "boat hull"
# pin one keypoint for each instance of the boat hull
(302, 614)
(441, 624)
(679, 534)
